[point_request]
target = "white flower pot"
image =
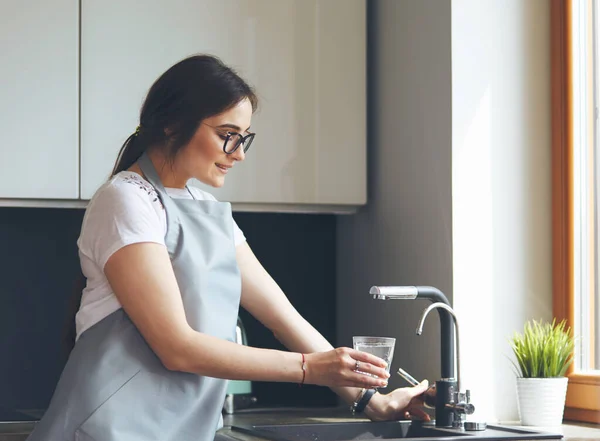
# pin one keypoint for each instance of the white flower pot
(541, 401)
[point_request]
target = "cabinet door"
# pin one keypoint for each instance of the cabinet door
(39, 99)
(306, 59)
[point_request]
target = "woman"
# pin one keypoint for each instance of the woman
(167, 269)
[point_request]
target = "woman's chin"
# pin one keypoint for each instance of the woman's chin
(212, 181)
(216, 182)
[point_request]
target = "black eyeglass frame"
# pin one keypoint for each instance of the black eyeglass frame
(245, 140)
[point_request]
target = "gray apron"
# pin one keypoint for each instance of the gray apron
(114, 387)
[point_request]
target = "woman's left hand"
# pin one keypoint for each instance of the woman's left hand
(400, 404)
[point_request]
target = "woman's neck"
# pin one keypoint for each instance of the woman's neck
(165, 170)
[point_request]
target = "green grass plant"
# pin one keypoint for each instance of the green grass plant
(543, 350)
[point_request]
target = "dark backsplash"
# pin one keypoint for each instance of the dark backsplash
(39, 266)
(299, 253)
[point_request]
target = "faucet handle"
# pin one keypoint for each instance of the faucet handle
(458, 397)
(461, 397)
(461, 406)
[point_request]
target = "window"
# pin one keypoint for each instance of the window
(576, 193)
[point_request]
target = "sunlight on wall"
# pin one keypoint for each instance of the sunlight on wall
(501, 189)
(473, 254)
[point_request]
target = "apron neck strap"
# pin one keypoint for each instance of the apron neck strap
(151, 176)
(150, 173)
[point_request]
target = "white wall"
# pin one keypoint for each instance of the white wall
(459, 185)
(501, 182)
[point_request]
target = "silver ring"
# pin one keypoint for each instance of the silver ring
(356, 365)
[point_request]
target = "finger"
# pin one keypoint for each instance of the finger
(368, 358)
(368, 368)
(419, 400)
(418, 414)
(367, 381)
(419, 388)
(358, 379)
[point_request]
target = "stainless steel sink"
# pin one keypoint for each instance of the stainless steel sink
(405, 430)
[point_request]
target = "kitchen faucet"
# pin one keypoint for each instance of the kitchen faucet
(451, 404)
(458, 403)
(451, 311)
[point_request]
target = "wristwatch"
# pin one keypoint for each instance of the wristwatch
(362, 400)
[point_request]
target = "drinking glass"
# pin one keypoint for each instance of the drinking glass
(382, 347)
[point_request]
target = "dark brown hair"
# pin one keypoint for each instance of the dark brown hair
(190, 91)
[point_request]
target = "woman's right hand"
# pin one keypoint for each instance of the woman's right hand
(345, 367)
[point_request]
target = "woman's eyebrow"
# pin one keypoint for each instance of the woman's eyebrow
(232, 126)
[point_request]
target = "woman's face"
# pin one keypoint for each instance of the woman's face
(203, 158)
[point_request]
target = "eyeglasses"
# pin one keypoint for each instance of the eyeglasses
(232, 141)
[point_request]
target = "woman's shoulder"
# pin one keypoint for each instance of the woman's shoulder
(125, 191)
(129, 182)
(129, 188)
(124, 210)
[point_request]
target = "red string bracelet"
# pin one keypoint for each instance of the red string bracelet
(303, 370)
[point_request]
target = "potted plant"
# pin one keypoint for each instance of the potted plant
(543, 352)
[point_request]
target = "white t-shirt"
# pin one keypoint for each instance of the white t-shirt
(125, 210)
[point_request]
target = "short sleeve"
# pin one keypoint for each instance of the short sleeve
(120, 214)
(238, 234)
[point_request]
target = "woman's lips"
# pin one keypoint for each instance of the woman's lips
(224, 168)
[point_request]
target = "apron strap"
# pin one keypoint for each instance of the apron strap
(152, 176)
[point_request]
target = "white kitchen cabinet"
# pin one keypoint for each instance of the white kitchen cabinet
(39, 99)
(305, 58)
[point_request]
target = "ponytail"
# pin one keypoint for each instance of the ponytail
(130, 152)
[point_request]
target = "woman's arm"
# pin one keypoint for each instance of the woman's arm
(264, 299)
(143, 280)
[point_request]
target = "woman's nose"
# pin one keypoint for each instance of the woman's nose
(239, 154)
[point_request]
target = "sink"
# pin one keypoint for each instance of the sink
(347, 431)
(365, 430)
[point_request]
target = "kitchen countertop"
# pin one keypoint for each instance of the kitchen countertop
(570, 431)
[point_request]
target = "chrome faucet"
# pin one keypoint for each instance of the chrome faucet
(434, 295)
(451, 311)
(450, 404)
(458, 403)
